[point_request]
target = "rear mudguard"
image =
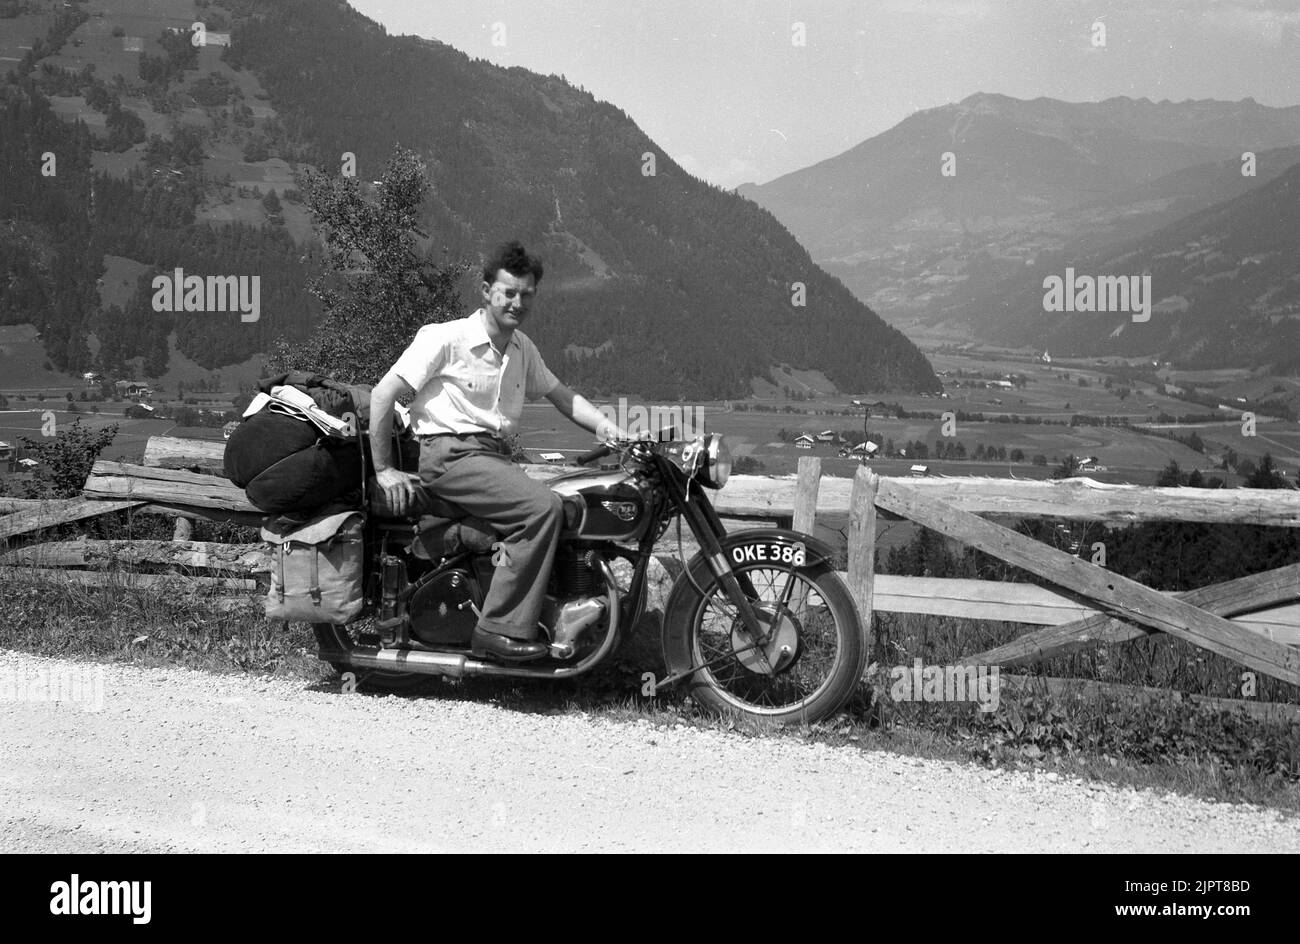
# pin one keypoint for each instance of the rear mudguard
(762, 545)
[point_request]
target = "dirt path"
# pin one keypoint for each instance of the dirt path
(180, 760)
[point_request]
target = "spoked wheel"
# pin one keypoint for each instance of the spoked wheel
(329, 636)
(804, 668)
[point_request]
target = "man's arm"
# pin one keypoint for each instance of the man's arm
(398, 487)
(580, 411)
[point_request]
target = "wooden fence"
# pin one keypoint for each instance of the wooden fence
(1254, 621)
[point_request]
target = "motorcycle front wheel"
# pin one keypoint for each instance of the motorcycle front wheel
(807, 666)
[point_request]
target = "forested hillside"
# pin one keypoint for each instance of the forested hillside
(657, 284)
(681, 288)
(61, 218)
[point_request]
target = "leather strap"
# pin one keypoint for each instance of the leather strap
(280, 550)
(315, 573)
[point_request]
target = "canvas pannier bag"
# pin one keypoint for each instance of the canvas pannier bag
(316, 569)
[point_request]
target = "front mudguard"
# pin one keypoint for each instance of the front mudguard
(739, 547)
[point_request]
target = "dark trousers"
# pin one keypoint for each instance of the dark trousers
(475, 472)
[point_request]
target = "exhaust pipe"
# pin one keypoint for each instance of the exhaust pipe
(403, 660)
(449, 664)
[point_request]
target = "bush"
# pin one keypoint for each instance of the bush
(255, 151)
(213, 90)
(65, 460)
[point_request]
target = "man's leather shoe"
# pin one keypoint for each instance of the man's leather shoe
(482, 643)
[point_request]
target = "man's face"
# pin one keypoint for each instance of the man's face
(509, 297)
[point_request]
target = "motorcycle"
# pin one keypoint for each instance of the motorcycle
(758, 623)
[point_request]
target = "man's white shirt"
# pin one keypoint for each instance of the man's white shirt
(463, 384)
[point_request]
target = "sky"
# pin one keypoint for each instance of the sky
(747, 90)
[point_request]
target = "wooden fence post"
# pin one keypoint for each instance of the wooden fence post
(805, 494)
(184, 528)
(862, 543)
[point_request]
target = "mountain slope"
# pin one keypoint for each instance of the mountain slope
(1224, 283)
(1030, 177)
(677, 287)
(658, 285)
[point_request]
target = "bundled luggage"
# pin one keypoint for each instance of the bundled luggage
(302, 455)
(302, 444)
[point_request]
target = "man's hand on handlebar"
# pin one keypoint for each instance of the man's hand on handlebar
(400, 489)
(612, 439)
(610, 432)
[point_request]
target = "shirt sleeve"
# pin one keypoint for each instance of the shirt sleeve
(425, 356)
(538, 381)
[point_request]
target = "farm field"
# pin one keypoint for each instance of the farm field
(22, 364)
(140, 19)
(1128, 456)
(18, 34)
(119, 281)
(22, 357)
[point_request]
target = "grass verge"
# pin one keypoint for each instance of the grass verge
(1167, 744)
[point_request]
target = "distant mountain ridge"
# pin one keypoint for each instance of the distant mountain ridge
(1031, 178)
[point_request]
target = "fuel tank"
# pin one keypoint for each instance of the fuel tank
(616, 504)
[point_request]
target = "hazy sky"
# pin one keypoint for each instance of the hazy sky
(724, 87)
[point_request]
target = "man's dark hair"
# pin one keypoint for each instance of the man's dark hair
(514, 258)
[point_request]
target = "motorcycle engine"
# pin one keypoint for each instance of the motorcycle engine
(575, 602)
(441, 614)
(440, 610)
(576, 573)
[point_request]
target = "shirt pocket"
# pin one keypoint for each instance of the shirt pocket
(480, 385)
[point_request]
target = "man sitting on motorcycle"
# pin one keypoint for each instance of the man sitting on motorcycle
(469, 379)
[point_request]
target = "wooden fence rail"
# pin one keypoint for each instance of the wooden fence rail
(1254, 621)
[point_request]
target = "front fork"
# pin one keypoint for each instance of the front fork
(708, 529)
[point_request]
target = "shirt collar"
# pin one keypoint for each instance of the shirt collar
(478, 334)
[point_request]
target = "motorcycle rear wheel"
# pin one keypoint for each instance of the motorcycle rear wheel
(812, 664)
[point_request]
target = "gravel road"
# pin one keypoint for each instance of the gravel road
(176, 760)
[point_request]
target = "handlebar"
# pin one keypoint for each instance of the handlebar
(607, 448)
(599, 452)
